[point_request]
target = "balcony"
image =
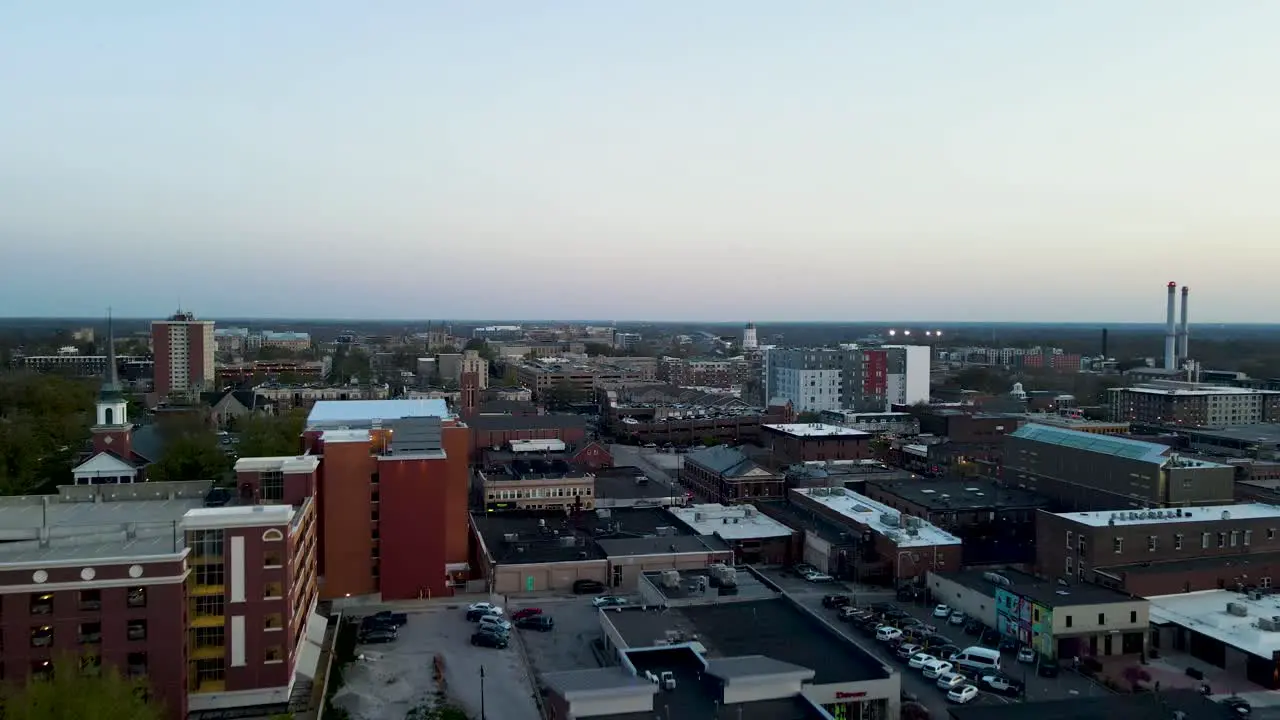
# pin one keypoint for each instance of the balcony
(196, 590)
(209, 652)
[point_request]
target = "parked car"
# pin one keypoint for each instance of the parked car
(957, 618)
(950, 680)
(605, 601)
(1238, 706)
(918, 660)
(370, 623)
(942, 611)
(494, 623)
(936, 669)
(835, 601)
(1026, 654)
(486, 639)
(478, 613)
(945, 652)
(485, 607)
(394, 618)
(525, 613)
(817, 577)
(1002, 684)
(906, 650)
(962, 694)
(377, 637)
(1047, 669)
(803, 569)
(542, 623)
(848, 613)
(1008, 643)
(886, 633)
(587, 587)
(974, 627)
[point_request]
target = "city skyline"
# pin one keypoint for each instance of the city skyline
(856, 163)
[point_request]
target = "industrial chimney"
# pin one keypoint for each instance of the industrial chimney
(1182, 329)
(1171, 330)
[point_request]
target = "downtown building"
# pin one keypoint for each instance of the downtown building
(212, 602)
(848, 377)
(184, 348)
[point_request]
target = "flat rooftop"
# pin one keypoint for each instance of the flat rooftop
(1045, 592)
(1256, 433)
(1145, 706)
(630, 487)
(365, 413)
(804, 519)
(960, 494)
(817, 430)
(517, 536)
(880, 518)
(1138, 450)
(775, 628)
(1206, 613)
(1203, 513)
(691, 586)
(738, 522)
(1195, 392)
(698, 694)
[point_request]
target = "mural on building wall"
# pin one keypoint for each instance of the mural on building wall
(1013, 615)
(1042, 631)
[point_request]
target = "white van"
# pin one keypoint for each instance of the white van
(978, 658)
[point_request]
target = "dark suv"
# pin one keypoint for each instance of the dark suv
(835, 601)
(485, 639)
(587, 587)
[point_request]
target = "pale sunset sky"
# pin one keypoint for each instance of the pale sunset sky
(715, 160)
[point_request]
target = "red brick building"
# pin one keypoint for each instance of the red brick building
(891, 546)
(495, 431)
(393, 487)
(1162, 552)
(803, 442)
(211, 602)
(183, 349)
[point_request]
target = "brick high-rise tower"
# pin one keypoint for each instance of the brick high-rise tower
(183, 348)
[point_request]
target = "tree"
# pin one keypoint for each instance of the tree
(271, 435)
(483, 347)
(191, 452)
(44, 424)
(102, 694)
(563, 394)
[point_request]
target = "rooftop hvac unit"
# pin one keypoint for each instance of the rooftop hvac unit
(1268, 624)
(1255, 595)
(510, 537)
(837, 491)
(729, 577)
(1237, 609)
(889, 519)
(697, 517)
(748, 511)
(671, 578)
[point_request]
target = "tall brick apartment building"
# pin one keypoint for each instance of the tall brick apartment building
(211, 602)
(183, 349)
(392, 482)
(1161, 552)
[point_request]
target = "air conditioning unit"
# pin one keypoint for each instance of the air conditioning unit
(1237, 609)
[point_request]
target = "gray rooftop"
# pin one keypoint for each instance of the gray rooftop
(753, 666)
(610, 678)
(1104, 444)
(722, 460)
(89, 530)
(619, 547)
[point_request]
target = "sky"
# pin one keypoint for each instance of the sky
(726, 160)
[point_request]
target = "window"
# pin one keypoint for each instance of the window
(208, 606)
(210, 672)
(1068, 621)
(271, 485)
(1069, 538)
(274, 655)
(1068, 566)
(137, 597)
(42, 604)
(1151, 543)
(1117, 545)
(1204, 541)
(273, 621)
(1235, 538)
(205, 543)
(41, 670)
(1133, 616)
(90, 633)
(1271, 533)
(209, 574)
(1102, 618)
(42, 636)
(274, 535)
(137, 630)
(271, 559)
(1248, 537)
(1177, 541)
(214, 637)
(1265, 582)
(1222, 539)
(91, 600)
(273, 591)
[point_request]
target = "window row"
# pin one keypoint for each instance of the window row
(88, 633)
(135, 666)
(87, 600)
(1208, 540)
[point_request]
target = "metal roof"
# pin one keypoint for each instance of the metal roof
(1104, 444)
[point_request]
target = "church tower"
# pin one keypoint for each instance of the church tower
(111, 429)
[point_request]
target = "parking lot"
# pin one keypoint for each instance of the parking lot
(571, 645)
(388, 680)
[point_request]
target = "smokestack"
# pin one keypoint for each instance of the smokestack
(1182, 328)
(1104, 343)
(1171, 330)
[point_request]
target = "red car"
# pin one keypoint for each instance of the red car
(526, 613)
